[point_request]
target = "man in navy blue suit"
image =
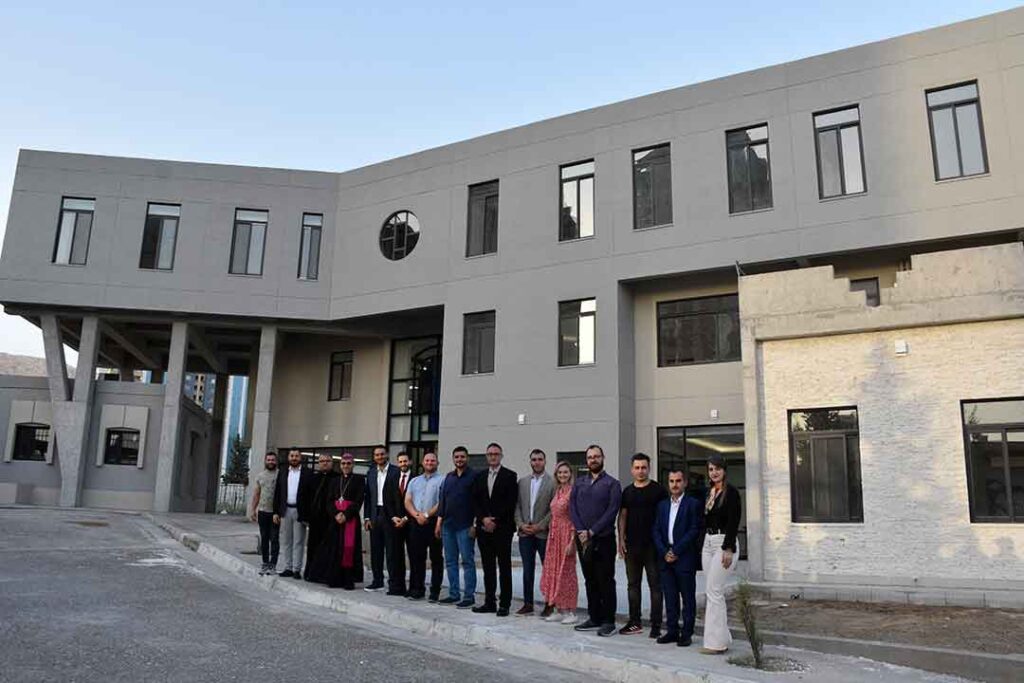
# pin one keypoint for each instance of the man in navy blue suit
(677, 526)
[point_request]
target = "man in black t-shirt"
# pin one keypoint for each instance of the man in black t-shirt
(636, 545)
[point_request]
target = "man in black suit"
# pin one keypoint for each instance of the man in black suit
(677, 526)
(293, 486)
(397, 523)
(375, 517)
(495, 493)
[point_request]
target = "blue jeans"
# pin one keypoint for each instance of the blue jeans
(458, 545)
(529, 548)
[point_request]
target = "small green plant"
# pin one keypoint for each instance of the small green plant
(748, 614)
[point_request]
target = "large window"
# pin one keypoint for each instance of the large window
(73, 230)
(652, 187)
(247, 242)
(824, 465)
(750, 175)
(994, 438)
(339, 384)
(705, 330)
(575, 459)
(482, 220)
(399, 235)
(122, 447)
(309, 246)
(840, 163)
(478, 343)
(31, 441)
(159, 236)
(576, 206)
(577, 322)
(958, 137)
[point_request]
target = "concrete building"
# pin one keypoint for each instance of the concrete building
(815, 269)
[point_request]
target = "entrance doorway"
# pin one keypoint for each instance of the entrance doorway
(414, 397)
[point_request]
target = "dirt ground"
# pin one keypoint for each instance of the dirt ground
(996, 631)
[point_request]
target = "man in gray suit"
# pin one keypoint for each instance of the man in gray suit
(533, 516)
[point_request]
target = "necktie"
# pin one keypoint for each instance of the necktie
(401, 484)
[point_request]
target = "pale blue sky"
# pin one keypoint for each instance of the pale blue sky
(332, 86)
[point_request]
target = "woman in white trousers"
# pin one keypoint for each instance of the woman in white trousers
(722, 510)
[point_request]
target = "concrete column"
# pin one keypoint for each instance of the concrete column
(170, 427)
(753, 431)
(261, 402)
(71, 413)
(626, 366)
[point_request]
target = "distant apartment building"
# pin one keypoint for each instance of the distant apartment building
(814, 269)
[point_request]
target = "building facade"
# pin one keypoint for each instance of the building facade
(814, 269)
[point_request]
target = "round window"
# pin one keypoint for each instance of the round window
(399, 235)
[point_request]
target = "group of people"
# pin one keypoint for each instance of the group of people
(559, 518)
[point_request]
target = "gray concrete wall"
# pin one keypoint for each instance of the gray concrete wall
(43, 478)
(194, 462)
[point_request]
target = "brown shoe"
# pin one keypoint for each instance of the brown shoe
(525, 611)
(547, 611)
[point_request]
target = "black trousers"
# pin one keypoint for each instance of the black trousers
(422, 542)
(599, 575)
(396, 540)
(496, 554)
(379, 546)
(638, 561)
(270, 535)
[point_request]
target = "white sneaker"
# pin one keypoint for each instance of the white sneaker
(570, 619)
(554, 616)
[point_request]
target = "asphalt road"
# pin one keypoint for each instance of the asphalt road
(90, 596)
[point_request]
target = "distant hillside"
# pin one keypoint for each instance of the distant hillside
(29, 366)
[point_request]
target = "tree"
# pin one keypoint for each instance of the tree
(238, 463)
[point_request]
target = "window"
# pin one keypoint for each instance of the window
(840, 164)
(652, 187)
(868, 285)
(31, 441)
(247, 242)
(576, 205)
(482, 221)
(576, 459)
(158, 237)
(994, 442)
(576, 332)
(750, 176)
(824, 465)
(478, 343)
(73, 231)
(705, 330)
(122, 447)
(399, 235)
(309, 246)
(958, 138)
(339, 384)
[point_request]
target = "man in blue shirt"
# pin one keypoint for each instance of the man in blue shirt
(593, 506)
(421, 502)
(454, 527)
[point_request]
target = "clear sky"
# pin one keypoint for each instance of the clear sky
(333, 86)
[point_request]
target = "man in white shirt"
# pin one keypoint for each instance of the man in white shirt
(289, 499)
(677, 526)
(374, 517)
(532, 518)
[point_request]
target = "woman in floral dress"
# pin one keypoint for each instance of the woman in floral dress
(558, 578)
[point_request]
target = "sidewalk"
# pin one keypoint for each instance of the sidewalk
(230, 543)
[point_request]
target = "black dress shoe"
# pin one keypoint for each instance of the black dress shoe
(667, 638)
(433, 598)
(286, 573)
(655, 631)
(587, 625)
(485, 609)
(607, 630)
(297, 576)
(449, 600)
(502, 612)
(684, 641)
(397, 591)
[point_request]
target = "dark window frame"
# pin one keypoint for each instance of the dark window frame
(854, 487)
(114, 454)
(719, 357)
(976, 100)
(19, 440)
(344, 360)
(160, 237)
(872, 298)
(468, 324)
(234, 236)
(310, 265)
(750, 186)
(412, 234)
(74, 230)
(633, 173)
(578, 317)
(838, 128)
(1003, 428)
(479, 190)
(577, 180)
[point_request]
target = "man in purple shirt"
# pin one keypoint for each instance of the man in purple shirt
(593, 505)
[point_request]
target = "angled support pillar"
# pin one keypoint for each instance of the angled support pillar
(261, 402)
(170, 427)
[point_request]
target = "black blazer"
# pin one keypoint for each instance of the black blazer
(370, 500)
(501, 504)
(394, 501)
(306, 489)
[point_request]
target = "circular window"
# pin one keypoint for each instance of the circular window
(399, 235)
